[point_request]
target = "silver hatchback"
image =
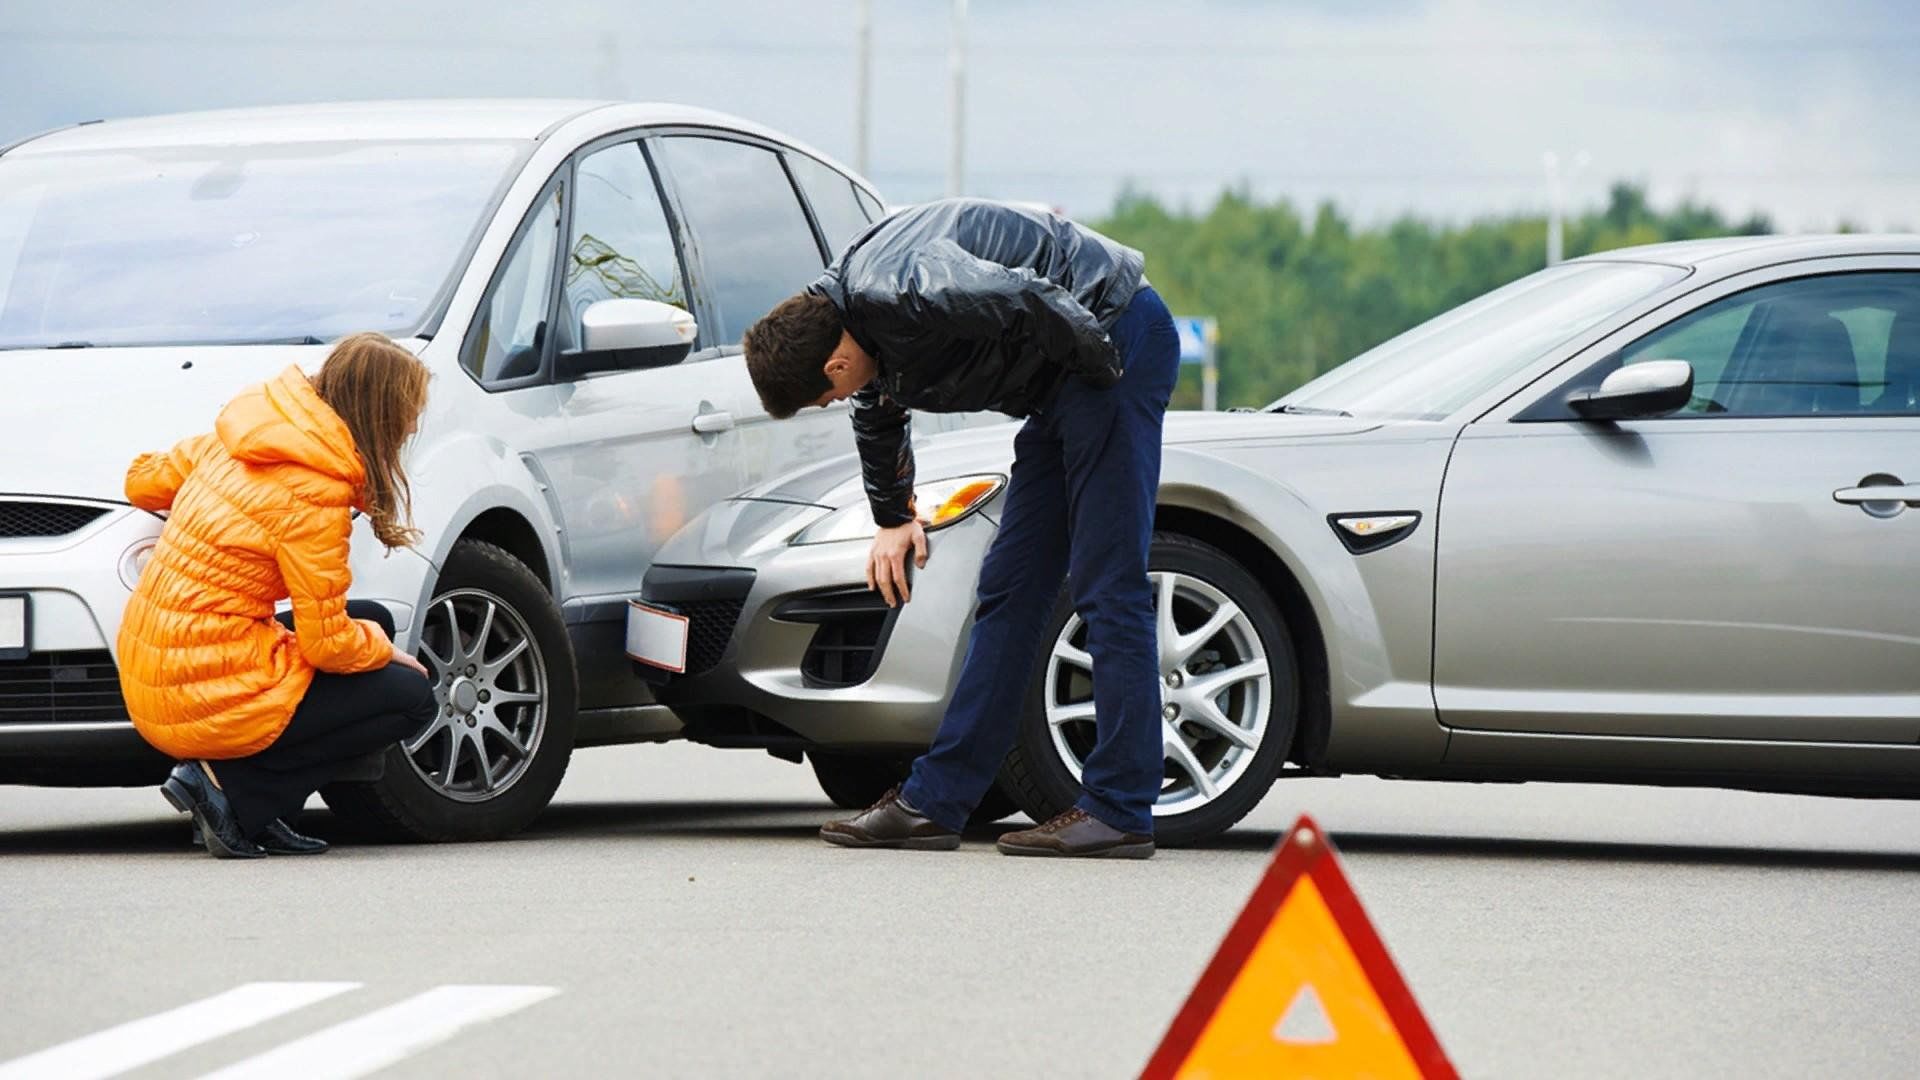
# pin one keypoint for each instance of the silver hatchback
(1641, 517)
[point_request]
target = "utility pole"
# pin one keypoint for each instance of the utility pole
(863, 82)
(1556, 201)
(957, 100)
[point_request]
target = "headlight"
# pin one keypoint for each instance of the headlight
(135, 560)
(951, 500)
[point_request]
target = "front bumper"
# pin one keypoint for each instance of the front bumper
(61, 715)
(62, 719)
(807, 654)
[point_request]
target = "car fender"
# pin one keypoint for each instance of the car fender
(466, 474)
(1374, 611)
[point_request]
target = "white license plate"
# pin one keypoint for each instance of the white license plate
(657, 638)
(14, 642)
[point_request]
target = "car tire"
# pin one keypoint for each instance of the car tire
(1044, 783)
(855, 782)
(482, 586)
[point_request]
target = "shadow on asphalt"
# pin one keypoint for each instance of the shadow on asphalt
(1503, 847)
(720, 820)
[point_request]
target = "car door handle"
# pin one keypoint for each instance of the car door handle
(713, 423)
(1880, 493)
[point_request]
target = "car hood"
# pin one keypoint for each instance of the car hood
(835, 481)
(71, 420)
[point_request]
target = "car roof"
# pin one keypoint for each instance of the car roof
(358, 121)
(1730, 254)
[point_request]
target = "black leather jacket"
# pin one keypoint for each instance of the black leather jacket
(971, 305)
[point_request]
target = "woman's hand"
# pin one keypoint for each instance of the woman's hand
(406, 659)
(887, 561)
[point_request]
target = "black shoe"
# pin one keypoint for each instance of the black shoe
(280, 839)
(190, 791)
(890, 823)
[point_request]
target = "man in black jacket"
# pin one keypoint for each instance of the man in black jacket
(968, 305)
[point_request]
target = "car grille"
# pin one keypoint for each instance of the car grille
(854, 626)
(61, 688)
(709, 628)
(24, 519)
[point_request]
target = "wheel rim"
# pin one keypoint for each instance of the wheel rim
(491, 686)
(1216, 692)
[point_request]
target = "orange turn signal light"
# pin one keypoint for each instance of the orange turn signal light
(961, 501)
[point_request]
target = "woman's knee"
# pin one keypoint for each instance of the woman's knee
(372, 611)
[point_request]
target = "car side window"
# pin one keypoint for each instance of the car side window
(754, 243)
(835, 206)
(620, 244)
(509, 337)
(1837, 344)
(868, 204)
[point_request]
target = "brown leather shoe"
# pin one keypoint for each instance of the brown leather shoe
(890, 824)
(1077, 834)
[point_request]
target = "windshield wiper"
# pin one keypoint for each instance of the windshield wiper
(72, 345)
(1308, 410)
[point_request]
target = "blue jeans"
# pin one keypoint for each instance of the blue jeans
(1079, 507)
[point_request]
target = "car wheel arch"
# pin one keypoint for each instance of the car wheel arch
(510, 531)
(1285, 588)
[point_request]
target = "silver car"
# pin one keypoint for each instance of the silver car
(576, 274)
(1640, 517)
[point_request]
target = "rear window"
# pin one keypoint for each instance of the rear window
(233, 244)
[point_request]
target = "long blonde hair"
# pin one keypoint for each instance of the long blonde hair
(379, 389)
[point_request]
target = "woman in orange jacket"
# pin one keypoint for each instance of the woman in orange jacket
(261, 712)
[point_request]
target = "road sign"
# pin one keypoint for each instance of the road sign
(1301, 986)
(1197, 335)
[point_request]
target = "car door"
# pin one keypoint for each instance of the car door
(646, 449)
(754, 242)
(1711, 574)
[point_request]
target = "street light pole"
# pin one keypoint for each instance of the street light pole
(957, 100)
(1556, 202)
(863, 82)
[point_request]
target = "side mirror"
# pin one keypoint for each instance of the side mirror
(1637, 392)
(627, 334)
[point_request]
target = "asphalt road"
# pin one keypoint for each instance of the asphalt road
(674, 915)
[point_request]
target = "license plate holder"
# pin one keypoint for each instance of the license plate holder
(16, 625)
(657, 637)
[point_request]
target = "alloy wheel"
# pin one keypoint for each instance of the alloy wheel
(491, 685)
(1216, 692)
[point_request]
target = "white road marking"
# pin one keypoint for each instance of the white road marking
(372, 1042)
(139, 1042)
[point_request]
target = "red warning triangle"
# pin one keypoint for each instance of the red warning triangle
(1301, 987)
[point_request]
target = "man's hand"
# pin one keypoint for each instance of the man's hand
(887, 562)
(407, 659)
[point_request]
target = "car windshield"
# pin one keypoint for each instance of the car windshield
(232, 244)
(1446, 362)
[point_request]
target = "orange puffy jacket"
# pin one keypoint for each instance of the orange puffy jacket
(261, 511)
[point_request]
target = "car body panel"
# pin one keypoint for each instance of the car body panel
(1572, 559)
(593, 473)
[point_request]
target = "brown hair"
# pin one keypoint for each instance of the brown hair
(379, 389)
(788, 350)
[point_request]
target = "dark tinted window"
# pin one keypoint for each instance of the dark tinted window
(834, 204)
(621, 245)
(1842, 344)
(752, 235)
(510, 332)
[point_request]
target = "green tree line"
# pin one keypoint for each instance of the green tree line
(1296, 296)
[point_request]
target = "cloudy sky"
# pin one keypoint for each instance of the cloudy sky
(1438, 107)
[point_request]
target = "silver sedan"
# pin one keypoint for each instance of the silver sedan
(1640, 518)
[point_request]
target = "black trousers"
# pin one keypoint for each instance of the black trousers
(341, 718)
